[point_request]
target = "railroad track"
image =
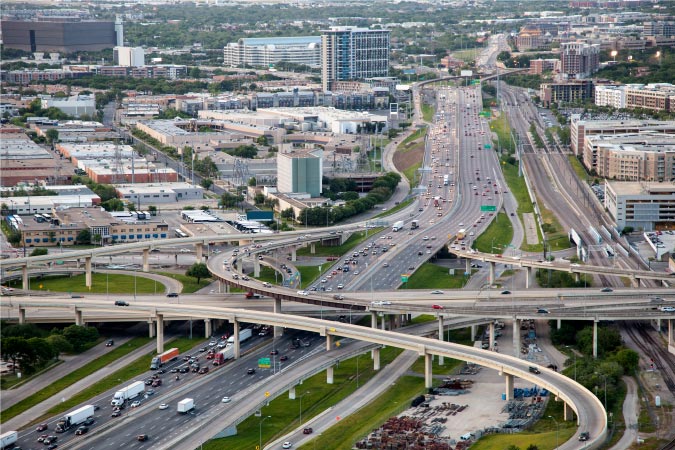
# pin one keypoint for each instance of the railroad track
(663, 360)
(669, 446)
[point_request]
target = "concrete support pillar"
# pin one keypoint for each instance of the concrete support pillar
(237, 344)
(491, 334)
(383, 322)
(376, 359)
(509, 386)
(87, 271)
(146, 260)
(568, 412)
(657, 326)
(151, 329)
(558, 323)
(441, 332)
(208, 328)
(467, 265)
(636, 282)
(373, 324)
(294, 254)
(199, 252)
(312, 248)
(278, 331)
(24, 278)
(473, 332)
(392, 321)
(329, 342)
(22, 316)
(256, 268)
(491, 277)
(78, 317)
(329, 375)
(670, 332)
(160, 333)
(291, 393)
(516, 338)
(528, 277)
(595, 339)
(428, 371)
(577, 277)
(226, 288)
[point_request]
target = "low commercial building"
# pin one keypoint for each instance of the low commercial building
(96, 151)
(151, 194)
(176, 133)
(24, 161)
(66, 223)
(45, 204)
(646, 156)
(76, 106)
(643, 206)
(539, 66)
(580, 128)
(327, 119)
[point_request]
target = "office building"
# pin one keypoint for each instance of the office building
(578, 60)
(643, 206)
(300, 172)
(65, 35)
(645, 156)
(351, 53)
(266, 52)
(565, 92)
(580, 129)
(660, 28)
(129, 56)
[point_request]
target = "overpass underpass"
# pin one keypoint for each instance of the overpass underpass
(590, 413)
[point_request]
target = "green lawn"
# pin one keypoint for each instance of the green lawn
(354, 427)
(268, 274)
(190, 284)
(339, 250)
(396, 208)
(431, 276)
(500, 125)
(467, 55)
(74, 376)
(100, 284)
(427, 112)
(410, 172)
(578, 168)
(448, 368)
(406, 144)
(308, 274)
(519, 190)
(499, 233)
(286, 413)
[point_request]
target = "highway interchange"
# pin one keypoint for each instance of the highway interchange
(455, 147)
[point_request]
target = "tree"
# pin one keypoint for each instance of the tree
(52, 135)
(152, 210)
(207, 183)
(83, 237)
(15, 349)
(259, 198)
(252, 181)
(261, 140)
(59, 343)
(79, 336)
(39, 252)
(288, 213)
(198, 271)
(114, 204)
(131, 206)
(628, 359)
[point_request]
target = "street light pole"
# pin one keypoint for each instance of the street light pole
(557, 430)
(260, 436)
(301, 405)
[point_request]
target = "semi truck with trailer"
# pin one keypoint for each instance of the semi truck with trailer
(7, 440)
(186, 405)
(436, 201)
(460, 234)
(132, 391)
(397, 226)
(244, 334)
(223, 355)
(159, 360)
(415, 224)
(74, 418)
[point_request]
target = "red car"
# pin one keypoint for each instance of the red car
(307, 430)
(42, 427)
(436, 306)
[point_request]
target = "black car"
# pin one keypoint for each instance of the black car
(606, 289)
(174, 370)
(250, 371)
(584, 436)
(172, 294)
(110, 343)
(121, 303)
(89, 421)
(142, 437)
(184, 369)
(116, 414)
(81, 430)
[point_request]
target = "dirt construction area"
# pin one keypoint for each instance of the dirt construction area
(409, 153)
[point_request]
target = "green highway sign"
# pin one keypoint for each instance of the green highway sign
(264, 363)
(404, 277)
(487, 146)
(488, 208)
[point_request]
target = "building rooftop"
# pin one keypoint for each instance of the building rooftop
(282, 40)
(645, 141)
(140, 188)
(20, 147)
(642, 188)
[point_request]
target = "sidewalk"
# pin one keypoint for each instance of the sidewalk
(630, 412)
(38, 410)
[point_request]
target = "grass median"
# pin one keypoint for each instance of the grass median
(190, 284)
(339, 250)
(74, 376)
(318, 397)
(499, 233)
(431, 276)
(101, 283)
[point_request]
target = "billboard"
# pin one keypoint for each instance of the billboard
(260, 216)
(466, 73)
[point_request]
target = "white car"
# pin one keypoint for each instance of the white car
(164, 406)
(303, 293)
(667, 308)
(286, 445)
(425, 238)
(225, 400)
(340, 286)
(136, 404)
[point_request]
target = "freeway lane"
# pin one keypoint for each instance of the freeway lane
(590, 412)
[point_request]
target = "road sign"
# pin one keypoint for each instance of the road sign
(488, 208)
(487, 146)
(404, 277)
(264, 363)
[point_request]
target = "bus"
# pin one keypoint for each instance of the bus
(180, 233)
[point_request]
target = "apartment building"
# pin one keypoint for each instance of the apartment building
(265, 52)
(579, 60)
(654, 96)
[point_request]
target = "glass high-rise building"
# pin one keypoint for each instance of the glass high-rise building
(351, 53)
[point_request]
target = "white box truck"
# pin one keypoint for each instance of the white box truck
(132, 391)
(244, 334)
(74, 418)
(186, 405)
(7, 440)
(397, 226)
